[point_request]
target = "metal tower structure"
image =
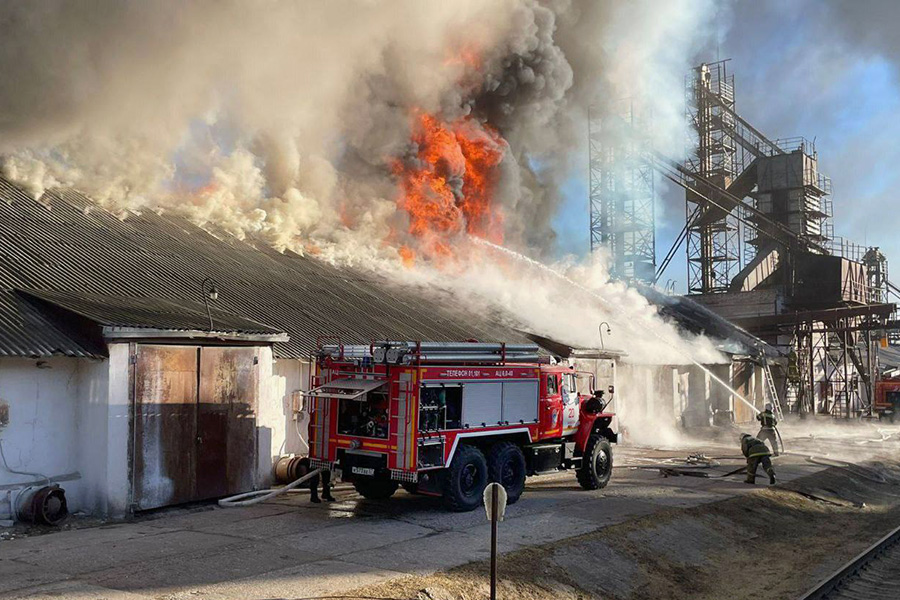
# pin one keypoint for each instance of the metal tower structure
(876, 274)
(713, 244)
(622, 194)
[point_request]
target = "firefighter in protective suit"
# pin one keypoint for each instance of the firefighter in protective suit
(326, 487)
(756, 452)
(767, 423)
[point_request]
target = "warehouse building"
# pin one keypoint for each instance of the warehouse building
(147, 362)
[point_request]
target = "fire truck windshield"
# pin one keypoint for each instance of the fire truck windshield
(367, 417)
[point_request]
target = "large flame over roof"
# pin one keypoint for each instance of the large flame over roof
(447, 186)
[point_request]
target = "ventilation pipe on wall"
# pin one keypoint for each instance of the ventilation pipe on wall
(43, 505)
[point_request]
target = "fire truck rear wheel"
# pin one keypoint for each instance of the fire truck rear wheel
(506, 465)
(375, 489)
(596, 464)
(466, 479)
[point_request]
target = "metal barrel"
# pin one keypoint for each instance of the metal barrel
(291, 468)
(45, 505)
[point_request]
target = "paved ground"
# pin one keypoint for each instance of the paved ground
(289, 548)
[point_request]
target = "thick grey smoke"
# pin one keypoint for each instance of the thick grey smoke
(286, 121)
(281, 119)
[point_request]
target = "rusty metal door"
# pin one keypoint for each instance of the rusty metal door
(226, 417)
(165, 425)
(194, 423)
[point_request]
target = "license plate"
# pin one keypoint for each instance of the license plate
(363, 471)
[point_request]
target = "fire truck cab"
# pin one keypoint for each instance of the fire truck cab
(887, 398)
(444, 419)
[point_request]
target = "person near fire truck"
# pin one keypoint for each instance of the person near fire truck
(326, 487)
(595, 404)
(767, 423)
(756, 452)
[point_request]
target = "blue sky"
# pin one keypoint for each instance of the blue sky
(826, 71)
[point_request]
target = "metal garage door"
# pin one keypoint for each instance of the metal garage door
(194, 423)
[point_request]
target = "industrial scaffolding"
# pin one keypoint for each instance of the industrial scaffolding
(758, 218)
(713, 245)
(621, 190)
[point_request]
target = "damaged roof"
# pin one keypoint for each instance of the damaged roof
(144, 269)
(696, 318)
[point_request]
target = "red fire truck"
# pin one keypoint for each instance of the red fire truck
(887, 398)
(444, 419)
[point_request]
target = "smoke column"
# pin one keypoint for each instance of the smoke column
(281, 119)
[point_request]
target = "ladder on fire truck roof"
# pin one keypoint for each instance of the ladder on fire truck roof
(393, 352)
(772, 391)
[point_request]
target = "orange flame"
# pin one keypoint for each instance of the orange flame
(448, 187)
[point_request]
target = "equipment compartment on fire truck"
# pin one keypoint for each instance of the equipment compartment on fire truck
(444, 419)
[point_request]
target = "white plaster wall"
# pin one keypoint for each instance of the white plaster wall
(118, 434)
(277, 431)
(42, 436)
(295, 378)
(92, 423)
(73, 416)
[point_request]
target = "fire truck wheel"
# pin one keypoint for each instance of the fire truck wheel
(506, 465)
(375, 489)
(466, 479)
(596, 464)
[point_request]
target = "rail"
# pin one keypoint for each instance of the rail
(871, 575)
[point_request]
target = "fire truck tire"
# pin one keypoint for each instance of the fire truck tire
(506, 465)
(375, 489)
(466, 479)
(596, 464)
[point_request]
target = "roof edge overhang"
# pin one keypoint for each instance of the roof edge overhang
(597, 353)
(136, 333)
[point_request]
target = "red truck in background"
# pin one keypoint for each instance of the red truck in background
(444, 419)
(887, 398)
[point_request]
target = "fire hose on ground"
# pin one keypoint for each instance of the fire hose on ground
(257, 496)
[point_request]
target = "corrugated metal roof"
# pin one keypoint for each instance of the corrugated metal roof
(150, 313)
(65, 243)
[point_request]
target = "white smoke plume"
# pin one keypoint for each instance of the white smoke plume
(281, 120)
(565, 301)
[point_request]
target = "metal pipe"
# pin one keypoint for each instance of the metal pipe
(45, 505)
(14, 472)
(474, 358)
(460, 346)
(476, 347)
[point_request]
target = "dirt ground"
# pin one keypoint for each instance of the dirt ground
(646, 535)
(775, 543)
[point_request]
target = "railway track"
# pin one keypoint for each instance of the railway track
(873, 575)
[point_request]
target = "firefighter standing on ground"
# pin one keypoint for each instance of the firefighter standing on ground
(756, 452)
(767, 423)
(326, 487)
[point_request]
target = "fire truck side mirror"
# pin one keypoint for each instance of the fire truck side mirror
(612, 389)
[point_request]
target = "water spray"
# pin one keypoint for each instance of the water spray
(532, 262)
